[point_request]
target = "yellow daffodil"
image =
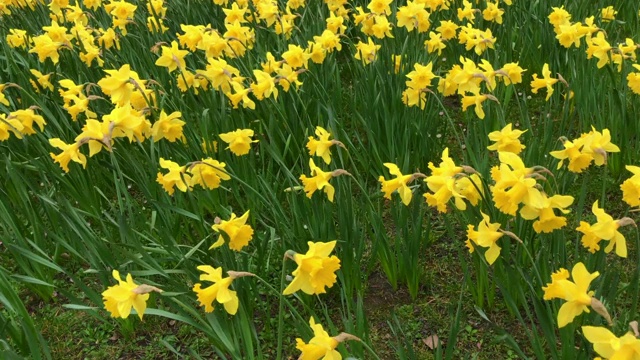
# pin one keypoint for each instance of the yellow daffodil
(27, 118)
(70, 152)
(608, 14)
(176, 177)
(264, 86)
(168, 127)
(316, 269)
(609, 346)
(506, 140)
(321, 146)
(219, 291)
(295, 56)
(208, 173)
(545, 82)
(448, 29)
(97, 134)
(17, 38)
(434, 43)
(42, 81)
(321, 345)
(46, 48)
(631, 187)
(413, 16)
(593, 146)
(236, 229)
(128, 122)
(546, 219)
(442, 183)
(466, 12)
(476, 100)
(121, 12)
(511, 73)
(514, 185)
(120, 299)
(599, 47)
(239, 141)
(366, 52)
(399, 183)
(119, 84)
(492, 12)
(486, 236)
(605, 228)
(172, 57)
(240, 94)
(558, 17)
(380, 7)
(576, 293)
(633, 79)
(3, 99)
(420, 77)
(319, 180)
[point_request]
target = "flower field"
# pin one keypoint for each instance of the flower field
(285, 179)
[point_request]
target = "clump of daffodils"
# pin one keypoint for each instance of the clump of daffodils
(449, 181)
(207, 173)
(591, 147)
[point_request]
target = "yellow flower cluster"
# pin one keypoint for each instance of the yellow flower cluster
(208, 173)
(319, 179)
(589, 147)
(466, 80)
(20, 123)
(571, 33)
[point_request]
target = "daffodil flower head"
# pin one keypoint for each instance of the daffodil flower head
(236, 229)
(576, 293)
(70, 152)
(605, 228)
(442, 183)
(316, 269)
(400, 183)
(545, 82)
(598, 144)
(208, 173)
(514, 185)
(176, 177)
(239, 141)
(506, 140)
(321, 345)
(609, 346)
(120, 299)
(546, 219)
(168, 127)
(486, 236)
(219, 291)
(633, 79)
(172, 57)
(119, 84)
(321, 146)
(319, 180)
(631, 187)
